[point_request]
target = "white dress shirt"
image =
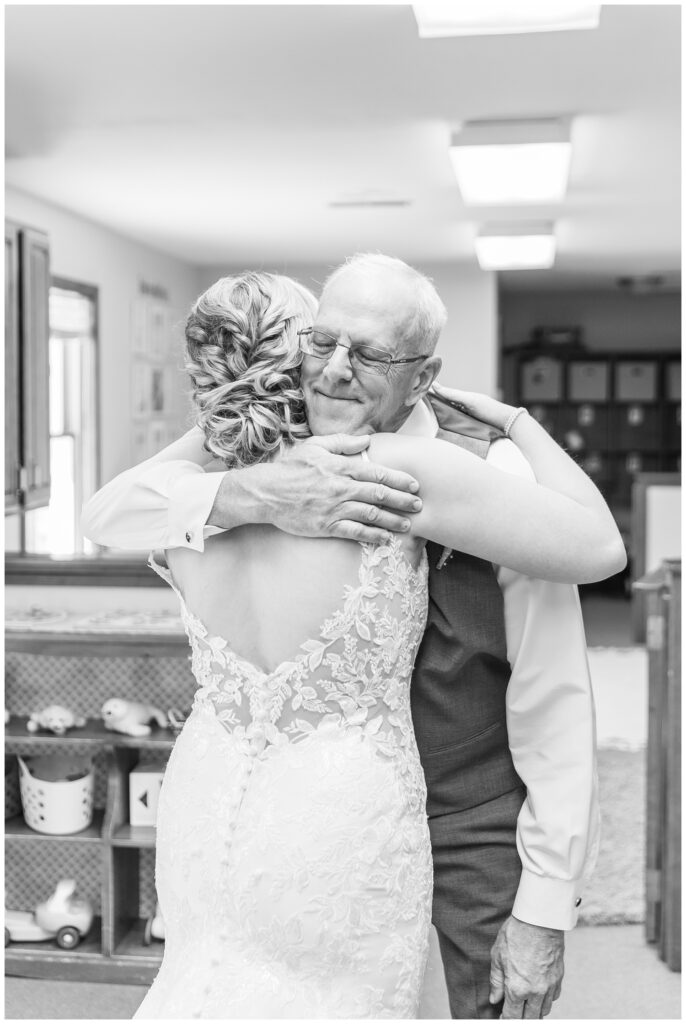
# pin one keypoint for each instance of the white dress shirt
(165, 502)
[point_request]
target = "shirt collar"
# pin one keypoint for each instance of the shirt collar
(421, 422)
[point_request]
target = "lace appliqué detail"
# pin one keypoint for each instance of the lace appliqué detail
(354, 675)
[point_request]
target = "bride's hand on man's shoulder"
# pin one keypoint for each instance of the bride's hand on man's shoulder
(473, 403)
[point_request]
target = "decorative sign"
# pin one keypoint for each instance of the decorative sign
(145, 782)
(155, 358)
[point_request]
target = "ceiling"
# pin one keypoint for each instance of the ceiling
(222, 133)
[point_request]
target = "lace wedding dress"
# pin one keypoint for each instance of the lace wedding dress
(293, 856)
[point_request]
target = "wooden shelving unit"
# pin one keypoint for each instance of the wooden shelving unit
(617, 413)
(66, 660)
(139, 836)
(16, 829)
(114, 949)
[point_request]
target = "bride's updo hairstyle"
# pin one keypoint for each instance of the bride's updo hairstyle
(243, 359)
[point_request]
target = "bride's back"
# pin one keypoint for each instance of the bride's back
(264, 591)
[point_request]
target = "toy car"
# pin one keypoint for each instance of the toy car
(61, 917)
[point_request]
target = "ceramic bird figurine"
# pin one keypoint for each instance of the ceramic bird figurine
(131, 717)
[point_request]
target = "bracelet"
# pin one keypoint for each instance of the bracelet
(511, 420)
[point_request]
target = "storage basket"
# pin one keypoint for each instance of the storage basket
(56, 793)
(12, 798)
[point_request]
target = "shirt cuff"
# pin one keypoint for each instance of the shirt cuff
(548, 902)
(190, 503)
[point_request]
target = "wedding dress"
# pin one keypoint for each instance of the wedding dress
(293, 856)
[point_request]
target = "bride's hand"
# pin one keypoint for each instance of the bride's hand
(481, 407)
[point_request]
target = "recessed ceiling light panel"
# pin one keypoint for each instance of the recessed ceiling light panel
(502, 163)
(516, 247)
(437, 18)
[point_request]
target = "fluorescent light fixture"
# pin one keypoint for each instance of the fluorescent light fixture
(516, 247)
(502, 162)
(484, 18)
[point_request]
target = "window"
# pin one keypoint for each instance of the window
(55, 529)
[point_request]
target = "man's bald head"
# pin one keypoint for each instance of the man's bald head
(422, 313)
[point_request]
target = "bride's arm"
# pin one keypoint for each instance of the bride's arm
(557, 529)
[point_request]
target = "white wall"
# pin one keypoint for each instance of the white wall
(469, 344)
(611, 320)
(85, 252)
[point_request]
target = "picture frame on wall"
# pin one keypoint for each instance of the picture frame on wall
(139, 327)
(157, 330)
(158, 394)
(140, 388)
(139, 442)
(154, 340)
(157, 436)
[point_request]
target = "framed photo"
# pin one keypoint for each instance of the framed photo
(139, 442)
(139, 327)
(158, 342)
(157, 436)
(140, 388)
(159, 395)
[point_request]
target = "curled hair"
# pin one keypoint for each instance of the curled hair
(244, 362)
(428, 318)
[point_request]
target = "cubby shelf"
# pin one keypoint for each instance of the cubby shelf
(133, 946)
(46, 959)
(114, 950)
(139, 836)
(81, 658)
(618, 413)
(93, 735)
(16, 829)
(132, 962)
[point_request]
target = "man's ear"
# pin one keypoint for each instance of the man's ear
(423, 379)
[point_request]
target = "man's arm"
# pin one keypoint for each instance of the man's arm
(158, 502)
(313, 490)
(551, 730)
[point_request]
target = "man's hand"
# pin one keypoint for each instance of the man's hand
(314, 490)
(527, 965)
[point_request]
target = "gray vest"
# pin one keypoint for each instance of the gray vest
(461, 672)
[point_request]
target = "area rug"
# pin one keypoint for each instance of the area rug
(619, 676)
(616, 892)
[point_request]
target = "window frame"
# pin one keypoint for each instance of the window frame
(22, 567)
(89, 291)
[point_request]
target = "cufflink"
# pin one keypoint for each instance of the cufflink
(577, 902)
(188, 538)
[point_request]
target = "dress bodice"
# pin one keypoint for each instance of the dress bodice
(354, 674)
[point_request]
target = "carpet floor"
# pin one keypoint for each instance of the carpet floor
(616, 891)
(610, 974)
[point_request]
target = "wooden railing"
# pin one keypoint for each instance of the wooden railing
(662, 589)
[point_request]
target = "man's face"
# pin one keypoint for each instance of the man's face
(360, 309)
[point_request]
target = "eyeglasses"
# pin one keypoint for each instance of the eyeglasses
(362, 358)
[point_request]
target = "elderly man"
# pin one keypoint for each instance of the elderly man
(501, 696)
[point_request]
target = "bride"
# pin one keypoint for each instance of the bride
(293, 855)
